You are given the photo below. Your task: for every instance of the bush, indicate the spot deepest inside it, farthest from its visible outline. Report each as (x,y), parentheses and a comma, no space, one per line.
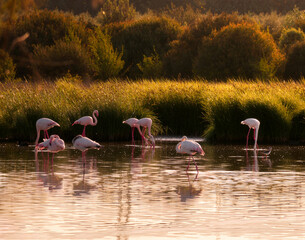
(143,37)
(63,57)
(115,11)
(7,67)
(107,61)
(289,37)
(151,66)
(295,61)
(238,50)
(45,28)
(179,59)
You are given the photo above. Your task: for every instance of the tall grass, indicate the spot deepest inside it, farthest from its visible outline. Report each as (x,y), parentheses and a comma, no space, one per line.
(193,108)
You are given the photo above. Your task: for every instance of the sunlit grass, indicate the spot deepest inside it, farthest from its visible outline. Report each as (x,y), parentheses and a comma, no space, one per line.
(193,108)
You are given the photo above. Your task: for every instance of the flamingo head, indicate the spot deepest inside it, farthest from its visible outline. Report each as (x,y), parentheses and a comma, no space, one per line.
(183,138)
(96,113)
(54,124)
(153,141)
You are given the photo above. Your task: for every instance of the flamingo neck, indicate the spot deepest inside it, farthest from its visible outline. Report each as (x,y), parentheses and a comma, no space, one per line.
(38,136)
(94,118)
(256,136)
(178,148)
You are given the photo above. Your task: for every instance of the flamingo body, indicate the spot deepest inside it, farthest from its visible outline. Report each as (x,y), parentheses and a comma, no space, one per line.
(254,124)
(189,147)
(53,144)
(132,122)
(146,124)
(44,124)
(83,143)
(87,120)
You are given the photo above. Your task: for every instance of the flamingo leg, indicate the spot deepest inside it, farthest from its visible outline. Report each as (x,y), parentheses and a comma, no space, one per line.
(254,137)
(132,136)
(84,132)
(248,138)
(188,164)
(195,165)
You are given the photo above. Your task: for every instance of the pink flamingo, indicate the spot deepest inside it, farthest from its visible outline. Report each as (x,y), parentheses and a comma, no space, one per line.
(53,144)
(252,123)
(132,122)
(146,124)
(87,120)
(84,144)
(189,147)
(44,124)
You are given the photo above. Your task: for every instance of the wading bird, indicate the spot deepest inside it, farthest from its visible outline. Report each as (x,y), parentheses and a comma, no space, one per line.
(83,143)
(44,124)
(132,122)
(146,124)
(189,147)
(53,144)
(252,123)
(87,120)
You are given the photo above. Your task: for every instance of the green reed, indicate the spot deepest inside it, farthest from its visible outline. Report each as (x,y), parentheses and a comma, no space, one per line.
(192,108)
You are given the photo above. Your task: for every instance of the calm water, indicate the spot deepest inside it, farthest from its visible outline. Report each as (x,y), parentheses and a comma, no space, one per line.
(125,192)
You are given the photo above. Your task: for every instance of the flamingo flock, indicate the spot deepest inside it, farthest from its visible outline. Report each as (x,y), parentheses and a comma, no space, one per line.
(186,146)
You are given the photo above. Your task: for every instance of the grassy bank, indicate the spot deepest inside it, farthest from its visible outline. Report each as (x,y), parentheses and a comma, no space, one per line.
(194,108)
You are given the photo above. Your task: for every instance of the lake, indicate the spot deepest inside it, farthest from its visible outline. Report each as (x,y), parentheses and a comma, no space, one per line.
(125,192)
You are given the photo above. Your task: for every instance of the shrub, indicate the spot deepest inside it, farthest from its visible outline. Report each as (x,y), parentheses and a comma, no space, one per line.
(144,37)
(107,61)
(63,57)
(115,11)
(289,37)
(151,66)
(179,59)
(46,27)
(7,67)
(294,67)
(237,50)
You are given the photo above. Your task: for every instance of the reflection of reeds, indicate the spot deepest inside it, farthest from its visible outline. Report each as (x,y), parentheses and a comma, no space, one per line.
(176,107)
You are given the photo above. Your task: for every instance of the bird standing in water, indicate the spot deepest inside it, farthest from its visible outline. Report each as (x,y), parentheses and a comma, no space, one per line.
(146,124)
(87,120)
(44,124)
(189,147)
(252,123)
(132,123)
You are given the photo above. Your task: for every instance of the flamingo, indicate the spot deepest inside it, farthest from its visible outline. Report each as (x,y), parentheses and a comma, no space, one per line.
(44,124)
(87,120)
(132,123)
(252,123)
(189,147)
(53,144)
(84,144)
(145,123)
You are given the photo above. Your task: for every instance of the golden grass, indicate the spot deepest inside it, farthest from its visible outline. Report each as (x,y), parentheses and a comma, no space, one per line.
(193,107)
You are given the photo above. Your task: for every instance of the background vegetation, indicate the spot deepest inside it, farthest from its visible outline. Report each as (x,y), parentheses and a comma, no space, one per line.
(208,65)
(182,40)
(194,108)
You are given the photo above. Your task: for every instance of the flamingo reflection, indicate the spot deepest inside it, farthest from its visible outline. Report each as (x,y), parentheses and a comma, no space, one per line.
(46,175)
(255,164)
(188,192)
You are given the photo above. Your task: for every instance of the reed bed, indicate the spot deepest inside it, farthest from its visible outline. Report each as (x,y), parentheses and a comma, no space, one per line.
(192,108)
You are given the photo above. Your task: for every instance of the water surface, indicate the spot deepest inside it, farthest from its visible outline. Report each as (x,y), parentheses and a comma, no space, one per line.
(125,192)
